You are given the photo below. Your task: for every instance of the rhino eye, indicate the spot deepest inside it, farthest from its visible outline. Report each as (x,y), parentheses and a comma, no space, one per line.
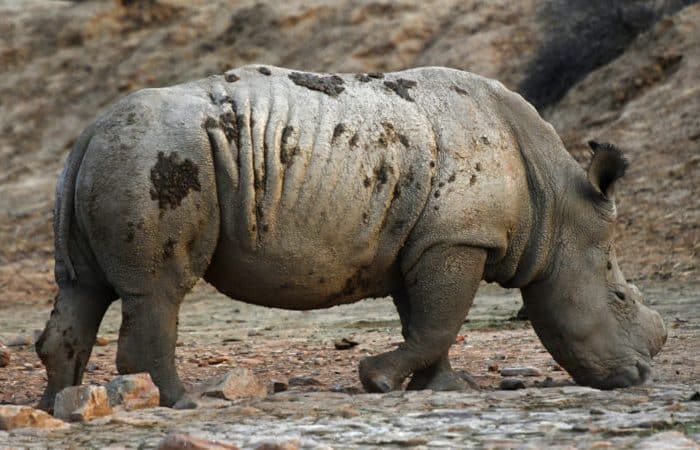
(620,295)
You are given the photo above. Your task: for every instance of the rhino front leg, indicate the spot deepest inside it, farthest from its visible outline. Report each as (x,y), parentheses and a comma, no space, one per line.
(147,339)
(439,290)
(66,343)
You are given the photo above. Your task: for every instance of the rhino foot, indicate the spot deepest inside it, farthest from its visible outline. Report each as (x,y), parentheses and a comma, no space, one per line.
(441,377)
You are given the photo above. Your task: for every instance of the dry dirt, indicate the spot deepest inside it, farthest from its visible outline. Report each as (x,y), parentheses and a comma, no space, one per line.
(61,63)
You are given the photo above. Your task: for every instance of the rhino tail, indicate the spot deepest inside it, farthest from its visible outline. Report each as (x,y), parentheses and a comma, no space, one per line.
(65,196)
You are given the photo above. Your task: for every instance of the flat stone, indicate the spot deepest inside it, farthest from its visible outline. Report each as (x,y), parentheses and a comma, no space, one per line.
(667,440)
(304,381)
(19,341)
(239,382)
(178,441)
(133,391)
(19,416)
(511,384)
(520,372)
(82,403)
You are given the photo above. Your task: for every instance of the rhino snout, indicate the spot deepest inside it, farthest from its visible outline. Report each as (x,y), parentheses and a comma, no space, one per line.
(622,377)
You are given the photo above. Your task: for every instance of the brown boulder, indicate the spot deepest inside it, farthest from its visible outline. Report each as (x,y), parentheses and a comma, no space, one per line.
(133,391)
(235,384)
(82,403)
(18,416)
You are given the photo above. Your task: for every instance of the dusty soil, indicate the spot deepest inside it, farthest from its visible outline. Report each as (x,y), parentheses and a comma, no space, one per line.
(61,63)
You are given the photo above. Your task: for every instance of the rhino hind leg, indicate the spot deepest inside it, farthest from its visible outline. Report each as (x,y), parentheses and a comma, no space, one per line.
(147,339)
(438,292)
(66,343)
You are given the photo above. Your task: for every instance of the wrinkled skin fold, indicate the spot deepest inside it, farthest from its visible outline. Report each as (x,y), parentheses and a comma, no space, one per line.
(300,191)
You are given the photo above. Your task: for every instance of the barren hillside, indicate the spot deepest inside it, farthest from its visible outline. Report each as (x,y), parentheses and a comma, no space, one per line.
(627,74)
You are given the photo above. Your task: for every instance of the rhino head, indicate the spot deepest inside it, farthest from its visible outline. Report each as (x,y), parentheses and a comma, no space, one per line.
(592,321)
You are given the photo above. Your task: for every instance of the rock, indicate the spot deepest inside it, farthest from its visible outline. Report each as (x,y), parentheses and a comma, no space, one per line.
(280,385)
(186,442)
(134,391)
(344,344)
(101,341)
(667,440)
(19,341)
(520,372)
(235,384)
(304,381)
(19,416)
(292,444)
(82,403)
(511,384)
(4,356)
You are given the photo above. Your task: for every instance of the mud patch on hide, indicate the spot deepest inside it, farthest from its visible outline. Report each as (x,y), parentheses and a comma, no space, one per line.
(231,77)
(367,77)
(172,179)
(458,90)
(329,85)
(401,87)
(169,248)
(337,131)
(288,151)
(390,135)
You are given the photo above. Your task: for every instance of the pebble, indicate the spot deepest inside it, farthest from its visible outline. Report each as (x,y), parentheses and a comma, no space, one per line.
(101,341)
(133,391)
(280,385)
(82,403)
(186,442)
(239,382)
(493,367)
(20,416)
(511,384)
(28,366)
(520,372)
(344,344)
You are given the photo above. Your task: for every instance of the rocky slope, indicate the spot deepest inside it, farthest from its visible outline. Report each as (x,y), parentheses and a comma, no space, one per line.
(61,63)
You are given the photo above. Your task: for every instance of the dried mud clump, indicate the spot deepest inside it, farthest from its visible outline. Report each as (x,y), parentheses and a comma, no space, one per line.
(331,85)
(401,87)
(172,180)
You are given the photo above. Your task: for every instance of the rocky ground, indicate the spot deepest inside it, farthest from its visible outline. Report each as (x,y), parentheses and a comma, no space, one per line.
(627,74)
(324,407)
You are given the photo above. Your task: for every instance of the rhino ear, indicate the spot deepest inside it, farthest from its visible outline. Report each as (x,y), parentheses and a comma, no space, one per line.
(607,166)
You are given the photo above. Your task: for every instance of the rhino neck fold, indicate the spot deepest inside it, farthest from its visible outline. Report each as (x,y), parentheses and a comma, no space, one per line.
(551,174)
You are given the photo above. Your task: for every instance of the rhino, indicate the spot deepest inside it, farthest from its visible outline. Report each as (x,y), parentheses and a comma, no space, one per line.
(303,190)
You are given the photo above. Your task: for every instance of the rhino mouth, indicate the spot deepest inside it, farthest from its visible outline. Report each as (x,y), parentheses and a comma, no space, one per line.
(622,377)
